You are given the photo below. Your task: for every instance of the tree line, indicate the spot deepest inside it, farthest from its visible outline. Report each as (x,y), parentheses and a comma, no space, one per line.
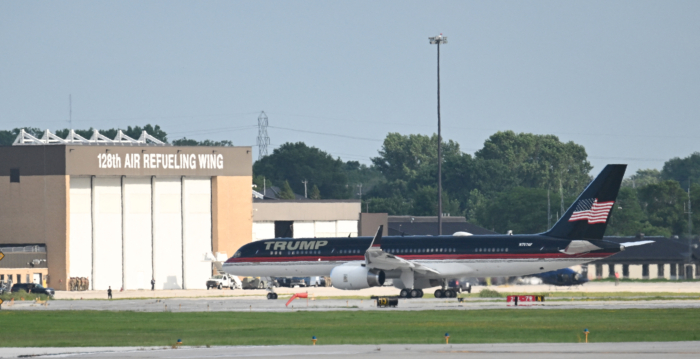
(516,181)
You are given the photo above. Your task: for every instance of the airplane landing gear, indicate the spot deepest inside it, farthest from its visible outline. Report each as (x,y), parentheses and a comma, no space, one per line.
(411,293)
(447,293)
(272,295)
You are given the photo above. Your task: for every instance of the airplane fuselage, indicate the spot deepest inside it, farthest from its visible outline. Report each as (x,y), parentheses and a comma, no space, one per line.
(450,256)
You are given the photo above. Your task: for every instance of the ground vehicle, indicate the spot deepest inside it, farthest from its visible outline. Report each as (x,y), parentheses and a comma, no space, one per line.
(256,282)
(32,288)
(224,281)
(460,285)
(315,281)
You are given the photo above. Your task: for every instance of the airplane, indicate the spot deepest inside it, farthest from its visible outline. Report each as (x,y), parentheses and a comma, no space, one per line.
(415,263)
(564,277)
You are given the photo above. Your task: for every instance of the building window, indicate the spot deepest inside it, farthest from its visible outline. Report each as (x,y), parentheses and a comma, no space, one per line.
(14,175)
(19,278)
(2,277)
(660,270)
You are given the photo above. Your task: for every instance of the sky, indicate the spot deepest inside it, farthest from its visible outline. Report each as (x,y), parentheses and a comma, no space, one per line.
(618,77)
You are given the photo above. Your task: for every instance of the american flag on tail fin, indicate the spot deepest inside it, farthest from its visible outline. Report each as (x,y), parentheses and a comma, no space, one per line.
(591,210)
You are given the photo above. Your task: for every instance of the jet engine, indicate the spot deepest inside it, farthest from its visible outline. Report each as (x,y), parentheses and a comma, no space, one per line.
(356,277)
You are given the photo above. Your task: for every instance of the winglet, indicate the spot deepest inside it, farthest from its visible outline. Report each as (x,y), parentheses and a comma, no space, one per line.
(377,240)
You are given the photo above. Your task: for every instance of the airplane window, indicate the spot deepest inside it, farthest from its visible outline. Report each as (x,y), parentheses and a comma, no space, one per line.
(506,249)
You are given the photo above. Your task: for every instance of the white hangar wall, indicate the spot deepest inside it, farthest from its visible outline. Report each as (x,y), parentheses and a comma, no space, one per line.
(126,230)
(310,218)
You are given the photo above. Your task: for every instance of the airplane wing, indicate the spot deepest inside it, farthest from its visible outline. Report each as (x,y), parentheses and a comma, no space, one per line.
(375,257)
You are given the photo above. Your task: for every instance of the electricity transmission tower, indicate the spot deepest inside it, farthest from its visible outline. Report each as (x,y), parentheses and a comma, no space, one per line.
(263,138)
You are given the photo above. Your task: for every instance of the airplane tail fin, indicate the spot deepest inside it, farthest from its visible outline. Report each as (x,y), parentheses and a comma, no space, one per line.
(588,216)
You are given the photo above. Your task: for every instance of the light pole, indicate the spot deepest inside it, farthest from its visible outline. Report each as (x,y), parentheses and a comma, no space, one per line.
(439,40)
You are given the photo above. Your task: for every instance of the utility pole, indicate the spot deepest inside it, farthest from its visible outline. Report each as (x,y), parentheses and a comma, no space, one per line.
(437,40)
(549,211)
(305,182)
(359,186)
(690,227)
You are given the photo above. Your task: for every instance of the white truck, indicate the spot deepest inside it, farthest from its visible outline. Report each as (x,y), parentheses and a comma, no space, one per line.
(224,281)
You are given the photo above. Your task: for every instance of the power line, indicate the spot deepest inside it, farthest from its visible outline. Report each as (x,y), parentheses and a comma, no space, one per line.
(327,134)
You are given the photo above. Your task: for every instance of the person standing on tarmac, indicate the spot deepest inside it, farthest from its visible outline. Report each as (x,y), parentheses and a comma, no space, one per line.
(153,284)
(109,293)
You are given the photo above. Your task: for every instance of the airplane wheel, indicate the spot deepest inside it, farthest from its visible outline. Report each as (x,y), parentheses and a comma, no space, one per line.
(421,293)
(415,293)
(404,293)
(439,293)
(270,296)
(450,293)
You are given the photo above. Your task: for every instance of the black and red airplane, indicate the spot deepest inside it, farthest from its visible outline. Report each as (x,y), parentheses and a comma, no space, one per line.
(418,262)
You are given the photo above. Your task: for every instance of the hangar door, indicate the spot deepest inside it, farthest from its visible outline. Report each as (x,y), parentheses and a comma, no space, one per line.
(138,254)
(167,233)
(80,248)
(107,238)
(196,241)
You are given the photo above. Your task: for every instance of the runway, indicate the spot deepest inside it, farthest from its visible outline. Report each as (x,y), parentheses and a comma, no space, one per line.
(633,350)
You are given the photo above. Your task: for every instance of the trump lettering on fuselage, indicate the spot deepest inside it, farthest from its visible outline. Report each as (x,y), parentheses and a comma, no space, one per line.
(293,245)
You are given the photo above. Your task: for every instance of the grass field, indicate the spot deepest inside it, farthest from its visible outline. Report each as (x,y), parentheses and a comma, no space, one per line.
(105,328)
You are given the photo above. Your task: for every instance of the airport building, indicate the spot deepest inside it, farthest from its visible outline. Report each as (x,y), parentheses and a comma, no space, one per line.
(121,211)
(300,218)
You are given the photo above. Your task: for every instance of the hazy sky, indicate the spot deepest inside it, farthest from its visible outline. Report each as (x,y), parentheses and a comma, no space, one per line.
(621,78)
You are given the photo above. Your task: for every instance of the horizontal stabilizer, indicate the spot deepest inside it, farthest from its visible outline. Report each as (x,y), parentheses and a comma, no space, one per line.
(632,244)
(578,247)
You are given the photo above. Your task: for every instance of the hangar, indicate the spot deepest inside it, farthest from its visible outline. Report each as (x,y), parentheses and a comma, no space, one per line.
(122,211)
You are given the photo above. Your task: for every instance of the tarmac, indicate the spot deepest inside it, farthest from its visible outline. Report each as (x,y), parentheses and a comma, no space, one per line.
(591,287)
(633,350)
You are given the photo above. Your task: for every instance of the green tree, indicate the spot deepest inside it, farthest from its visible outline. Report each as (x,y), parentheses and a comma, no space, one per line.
(297,161)
(315,193)
(286,192)
(683,169)
(425,202)
(663,204)
(522,210)
(539,161)
(394,205)
(642,178)
(628,217)
(261,183)
(403,156)
(8,137)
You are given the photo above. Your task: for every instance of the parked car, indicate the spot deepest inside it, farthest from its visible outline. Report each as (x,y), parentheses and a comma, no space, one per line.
(256,282)
(315,281)
(32,288)
(462,285)
(292,282)
(224,281)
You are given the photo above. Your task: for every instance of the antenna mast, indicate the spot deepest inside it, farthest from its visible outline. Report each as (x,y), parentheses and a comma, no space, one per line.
(263,138)
(70,111)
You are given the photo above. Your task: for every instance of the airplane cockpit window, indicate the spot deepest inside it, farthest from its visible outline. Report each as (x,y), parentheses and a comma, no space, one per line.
(238,254)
